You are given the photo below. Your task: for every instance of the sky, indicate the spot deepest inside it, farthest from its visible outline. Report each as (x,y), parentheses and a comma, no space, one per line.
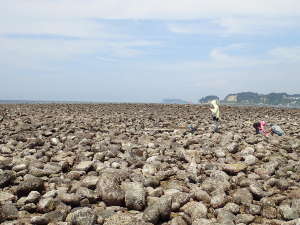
(146,51)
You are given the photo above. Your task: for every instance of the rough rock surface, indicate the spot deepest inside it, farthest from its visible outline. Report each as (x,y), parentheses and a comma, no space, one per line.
(111,164)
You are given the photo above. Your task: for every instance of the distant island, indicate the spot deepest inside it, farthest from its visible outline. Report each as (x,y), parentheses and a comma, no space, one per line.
(208,99)
(174,101)
(252,98)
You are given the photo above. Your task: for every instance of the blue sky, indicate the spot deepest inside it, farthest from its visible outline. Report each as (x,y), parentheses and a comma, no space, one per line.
(145,51)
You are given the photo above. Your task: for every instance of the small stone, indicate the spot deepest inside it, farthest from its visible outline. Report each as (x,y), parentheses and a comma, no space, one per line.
(135,196)
(5,162)
(250,160)
(30,184)
(257,190)
(84,166)
(178,220)
(6,178)
(46,205)
(234,168)
(200,195)
(225,217)
(19,167)
(54,141)
(8,211)
(244,218)
(288,213)
(5,196)
(269,212)
(39,220)
(116,165)
(6,150)
(70,199)
(232,207)
(233,147)
(195,209)
(82,216)
(242,196)
(149,170)
(220,153)
(50,194)
(160,209)
(218,198)
(202,221)
(90,181)
(109,189)
(33,197)
(253,209)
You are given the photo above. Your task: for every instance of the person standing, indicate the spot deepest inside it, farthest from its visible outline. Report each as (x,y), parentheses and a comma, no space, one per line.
(215,115)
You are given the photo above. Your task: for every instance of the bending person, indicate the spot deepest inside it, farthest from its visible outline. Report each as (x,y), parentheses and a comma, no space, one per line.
(260,128)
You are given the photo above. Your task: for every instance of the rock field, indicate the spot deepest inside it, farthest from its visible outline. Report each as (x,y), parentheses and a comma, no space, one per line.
(133,164)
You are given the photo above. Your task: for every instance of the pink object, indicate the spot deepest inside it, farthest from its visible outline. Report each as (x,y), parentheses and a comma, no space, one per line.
(262,128)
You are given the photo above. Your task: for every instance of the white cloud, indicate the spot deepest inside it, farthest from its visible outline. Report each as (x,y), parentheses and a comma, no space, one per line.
(194,28)
(226,26)
(144,9)
(221,59)
(287,54)
(255,25)
(73,17)
(33,53)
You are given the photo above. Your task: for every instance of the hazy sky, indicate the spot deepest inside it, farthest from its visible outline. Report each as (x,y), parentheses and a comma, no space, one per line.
(147,50)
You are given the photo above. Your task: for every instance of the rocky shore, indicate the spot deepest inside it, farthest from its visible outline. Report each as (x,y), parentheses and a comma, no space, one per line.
(133,164)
